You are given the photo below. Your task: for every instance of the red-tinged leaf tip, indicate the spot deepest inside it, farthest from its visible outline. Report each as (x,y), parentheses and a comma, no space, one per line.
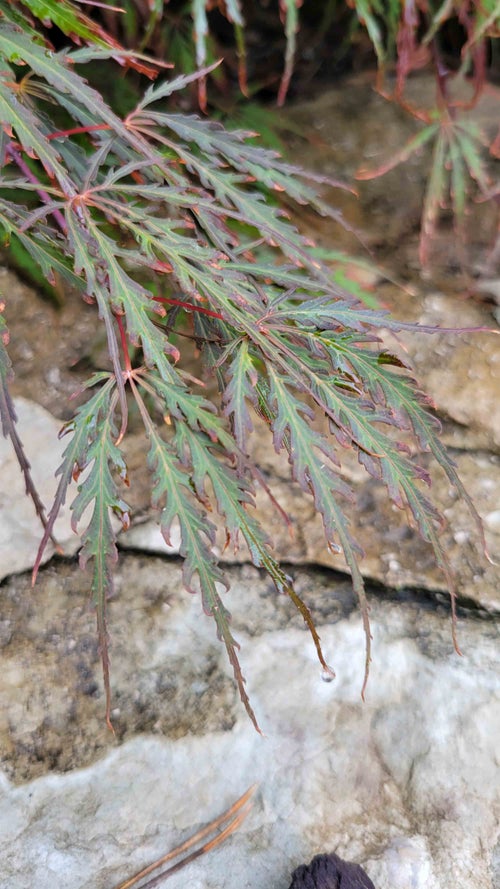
(242,81)
(363,175)
(334,548)
(163,268)
(202,94)
(121,434)
(489,557)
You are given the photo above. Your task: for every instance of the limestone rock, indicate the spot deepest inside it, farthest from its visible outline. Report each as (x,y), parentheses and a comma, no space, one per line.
(20,528)
(404,784)
(459,371)
(394,553)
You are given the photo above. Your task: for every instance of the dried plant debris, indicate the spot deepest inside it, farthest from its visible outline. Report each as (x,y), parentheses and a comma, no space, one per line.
(202,841)
(330,872)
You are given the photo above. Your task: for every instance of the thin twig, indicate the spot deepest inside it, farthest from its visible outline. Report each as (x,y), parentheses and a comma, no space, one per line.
(23,166)
(235,815)
(8,420)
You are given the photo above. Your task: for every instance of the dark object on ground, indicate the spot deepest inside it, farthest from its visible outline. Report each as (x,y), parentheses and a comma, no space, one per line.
(330,872)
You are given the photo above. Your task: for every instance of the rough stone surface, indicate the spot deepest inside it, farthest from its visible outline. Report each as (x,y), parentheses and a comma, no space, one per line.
(353,127)
(51,705)
(394,553)
(460,372)
(405,784)
(53,348)
(20,528)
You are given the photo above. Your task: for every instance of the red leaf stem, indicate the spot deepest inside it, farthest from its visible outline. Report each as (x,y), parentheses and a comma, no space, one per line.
(72,132)
(184,305)
(123,339)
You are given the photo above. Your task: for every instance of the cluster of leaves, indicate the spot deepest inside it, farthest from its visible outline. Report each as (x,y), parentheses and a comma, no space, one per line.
(100,201)
(409,34)
(185,34)
(458,166)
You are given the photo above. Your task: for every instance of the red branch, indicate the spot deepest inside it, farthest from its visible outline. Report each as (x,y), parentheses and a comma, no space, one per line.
(184,305)
(75,130)
(123,338)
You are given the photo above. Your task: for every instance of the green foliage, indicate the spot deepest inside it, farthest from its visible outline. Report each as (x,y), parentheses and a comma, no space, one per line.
(108,198)
(458,168)
(381,18)
(457,165)
(411,35)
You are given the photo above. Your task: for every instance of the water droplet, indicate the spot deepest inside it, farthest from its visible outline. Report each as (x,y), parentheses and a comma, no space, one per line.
(327,675)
